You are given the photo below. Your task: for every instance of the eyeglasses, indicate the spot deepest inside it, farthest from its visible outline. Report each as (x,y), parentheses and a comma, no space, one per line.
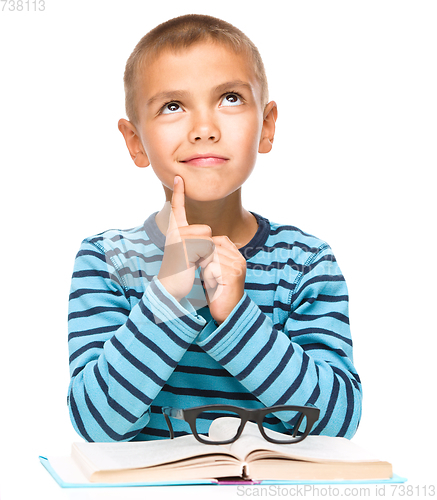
(201,417)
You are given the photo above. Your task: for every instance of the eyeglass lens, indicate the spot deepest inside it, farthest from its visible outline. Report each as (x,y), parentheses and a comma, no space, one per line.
(205,419)
(290,425)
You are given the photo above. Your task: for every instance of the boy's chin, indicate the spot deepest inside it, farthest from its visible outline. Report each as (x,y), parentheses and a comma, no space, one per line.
(205,198)
(209,193)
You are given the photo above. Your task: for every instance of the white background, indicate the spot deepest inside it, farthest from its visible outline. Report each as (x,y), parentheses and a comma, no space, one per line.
(353,163)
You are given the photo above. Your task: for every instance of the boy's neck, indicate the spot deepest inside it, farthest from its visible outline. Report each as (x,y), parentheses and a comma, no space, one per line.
(225,217)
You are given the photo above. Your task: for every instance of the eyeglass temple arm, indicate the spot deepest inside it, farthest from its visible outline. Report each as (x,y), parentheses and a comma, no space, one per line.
(315,411)
(172,412)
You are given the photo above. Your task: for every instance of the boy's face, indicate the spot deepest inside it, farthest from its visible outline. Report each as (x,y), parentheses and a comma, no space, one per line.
(200,116)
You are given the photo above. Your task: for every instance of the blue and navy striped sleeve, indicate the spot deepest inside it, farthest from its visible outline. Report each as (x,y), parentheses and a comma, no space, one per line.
(120,356)
(306,360)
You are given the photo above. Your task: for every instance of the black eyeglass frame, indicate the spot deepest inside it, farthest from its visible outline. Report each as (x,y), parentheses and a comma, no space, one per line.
(255,415)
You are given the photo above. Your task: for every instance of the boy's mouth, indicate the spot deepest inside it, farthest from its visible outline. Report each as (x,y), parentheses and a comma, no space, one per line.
(205,160)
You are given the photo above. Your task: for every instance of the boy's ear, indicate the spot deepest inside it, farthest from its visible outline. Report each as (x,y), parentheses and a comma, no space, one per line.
(268,130)
(133,143)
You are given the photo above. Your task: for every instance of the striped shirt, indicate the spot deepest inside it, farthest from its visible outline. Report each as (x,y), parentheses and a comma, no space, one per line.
(134,348)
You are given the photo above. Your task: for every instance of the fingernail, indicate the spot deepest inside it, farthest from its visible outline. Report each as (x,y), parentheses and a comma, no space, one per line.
(176,180)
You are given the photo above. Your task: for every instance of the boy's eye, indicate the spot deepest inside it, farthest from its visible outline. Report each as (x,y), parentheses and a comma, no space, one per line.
(231,100)
(171,108)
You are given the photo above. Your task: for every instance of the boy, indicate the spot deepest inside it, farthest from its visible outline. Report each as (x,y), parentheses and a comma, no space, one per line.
(205,303)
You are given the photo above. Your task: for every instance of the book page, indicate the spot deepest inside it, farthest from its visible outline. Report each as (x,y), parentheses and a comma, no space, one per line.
(312,448)
(141,454)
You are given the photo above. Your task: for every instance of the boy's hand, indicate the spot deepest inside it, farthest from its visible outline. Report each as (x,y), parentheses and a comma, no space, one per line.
(224,278)
(186,247)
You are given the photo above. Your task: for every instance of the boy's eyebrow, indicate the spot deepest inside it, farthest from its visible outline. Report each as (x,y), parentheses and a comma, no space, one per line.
(179,94)
(167,95)
(233,84)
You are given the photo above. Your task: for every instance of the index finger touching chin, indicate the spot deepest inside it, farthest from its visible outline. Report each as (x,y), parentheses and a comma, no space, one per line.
(178,203)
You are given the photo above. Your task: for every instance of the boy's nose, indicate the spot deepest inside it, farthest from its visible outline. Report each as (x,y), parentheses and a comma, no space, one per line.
(204,128)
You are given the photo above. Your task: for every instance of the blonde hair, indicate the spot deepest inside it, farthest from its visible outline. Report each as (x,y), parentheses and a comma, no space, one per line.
(180,33)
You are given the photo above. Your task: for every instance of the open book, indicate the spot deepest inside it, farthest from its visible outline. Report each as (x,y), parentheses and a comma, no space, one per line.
(250,457)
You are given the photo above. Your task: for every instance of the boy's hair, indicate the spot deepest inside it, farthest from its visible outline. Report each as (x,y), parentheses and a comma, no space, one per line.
(180,33)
